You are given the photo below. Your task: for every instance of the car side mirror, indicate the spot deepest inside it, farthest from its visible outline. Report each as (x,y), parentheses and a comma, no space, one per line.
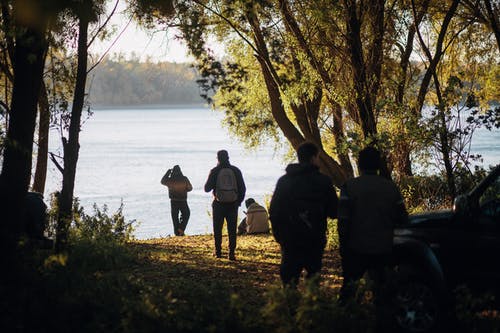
(461,206)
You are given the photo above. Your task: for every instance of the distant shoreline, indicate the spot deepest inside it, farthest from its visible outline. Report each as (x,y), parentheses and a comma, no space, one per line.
(149,106)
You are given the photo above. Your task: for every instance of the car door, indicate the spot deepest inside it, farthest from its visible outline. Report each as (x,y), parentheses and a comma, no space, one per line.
(470,248)
(487,225)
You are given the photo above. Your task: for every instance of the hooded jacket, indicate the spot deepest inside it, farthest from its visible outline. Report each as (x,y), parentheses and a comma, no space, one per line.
(302,191)
(257,219)
(178,186)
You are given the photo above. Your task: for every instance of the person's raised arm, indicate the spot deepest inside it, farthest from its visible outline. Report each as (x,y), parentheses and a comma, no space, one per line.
(165,177)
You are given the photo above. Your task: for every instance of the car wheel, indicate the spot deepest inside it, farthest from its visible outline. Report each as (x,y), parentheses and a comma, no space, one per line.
(415,303)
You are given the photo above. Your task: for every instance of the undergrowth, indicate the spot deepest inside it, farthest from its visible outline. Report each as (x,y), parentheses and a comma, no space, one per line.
(109,282)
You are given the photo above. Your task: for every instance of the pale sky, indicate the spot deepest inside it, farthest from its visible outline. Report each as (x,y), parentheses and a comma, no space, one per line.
(160,45)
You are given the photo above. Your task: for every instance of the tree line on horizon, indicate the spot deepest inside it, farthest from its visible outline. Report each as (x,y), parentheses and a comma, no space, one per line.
(119,81)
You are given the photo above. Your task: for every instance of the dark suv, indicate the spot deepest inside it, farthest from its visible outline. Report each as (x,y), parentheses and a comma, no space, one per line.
(438,251)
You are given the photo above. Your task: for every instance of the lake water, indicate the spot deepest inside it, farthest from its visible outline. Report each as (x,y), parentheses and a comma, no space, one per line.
(124,153)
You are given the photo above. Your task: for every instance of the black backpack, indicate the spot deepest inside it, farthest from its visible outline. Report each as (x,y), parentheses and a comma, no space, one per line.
(226,187)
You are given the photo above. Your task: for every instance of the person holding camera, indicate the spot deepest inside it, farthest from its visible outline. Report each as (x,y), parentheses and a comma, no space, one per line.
(178,187)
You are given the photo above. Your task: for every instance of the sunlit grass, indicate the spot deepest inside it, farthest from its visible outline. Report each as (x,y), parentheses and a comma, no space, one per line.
(186,261)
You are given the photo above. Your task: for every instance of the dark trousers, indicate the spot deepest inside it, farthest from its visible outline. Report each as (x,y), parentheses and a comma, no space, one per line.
(180,215)
(355,265)
(229,212)
(295,258)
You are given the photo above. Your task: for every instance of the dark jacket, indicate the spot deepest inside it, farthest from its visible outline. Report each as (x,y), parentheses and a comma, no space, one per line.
(369,208)
(178,186)
(212,180)
(302,188)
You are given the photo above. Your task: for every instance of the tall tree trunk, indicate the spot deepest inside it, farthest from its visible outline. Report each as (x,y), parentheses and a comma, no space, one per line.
(366,74)
(43,142)
(444,142)
(340,139)
(293,27)
(28,63)
(71,146)
(359,70)
(328,165)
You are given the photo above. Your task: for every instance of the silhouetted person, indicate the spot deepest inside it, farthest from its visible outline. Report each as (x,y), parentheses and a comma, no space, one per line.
(369,207)
(178,187)
(228,187)
(301,202)
(256,221)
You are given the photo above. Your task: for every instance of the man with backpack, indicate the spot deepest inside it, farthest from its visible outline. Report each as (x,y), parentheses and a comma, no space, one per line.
(301,202)
(228,188)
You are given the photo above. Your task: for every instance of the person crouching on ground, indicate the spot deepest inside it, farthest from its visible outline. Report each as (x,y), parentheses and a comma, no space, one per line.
(256,221)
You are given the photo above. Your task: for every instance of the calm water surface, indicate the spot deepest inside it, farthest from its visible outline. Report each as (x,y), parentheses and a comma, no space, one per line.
(124,154)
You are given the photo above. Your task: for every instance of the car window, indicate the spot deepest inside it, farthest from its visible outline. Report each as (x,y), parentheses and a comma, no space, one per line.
(489,203)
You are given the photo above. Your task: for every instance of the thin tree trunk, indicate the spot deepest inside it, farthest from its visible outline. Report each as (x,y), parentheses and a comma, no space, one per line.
(43,142)
(433,60)
(492,13)
(72,145)
(444,141)
(401,153)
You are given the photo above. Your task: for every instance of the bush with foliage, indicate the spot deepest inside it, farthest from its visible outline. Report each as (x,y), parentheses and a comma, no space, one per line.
(424,193)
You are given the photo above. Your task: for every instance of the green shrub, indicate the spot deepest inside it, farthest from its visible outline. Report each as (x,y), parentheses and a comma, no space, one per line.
(424,193)
(100,226)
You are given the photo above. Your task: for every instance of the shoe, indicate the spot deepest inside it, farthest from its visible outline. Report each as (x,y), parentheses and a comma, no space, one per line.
(217,255)
(232,257)
(180,232)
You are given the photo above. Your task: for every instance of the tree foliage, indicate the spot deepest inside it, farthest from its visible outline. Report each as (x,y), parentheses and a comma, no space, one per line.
(347,73)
